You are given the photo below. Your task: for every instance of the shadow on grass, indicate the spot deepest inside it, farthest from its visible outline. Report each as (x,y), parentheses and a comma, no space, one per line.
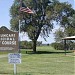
(6,73)
(47,52)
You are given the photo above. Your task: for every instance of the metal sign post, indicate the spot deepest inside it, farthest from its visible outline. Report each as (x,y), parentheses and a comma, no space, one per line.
(19,36)
(15,69)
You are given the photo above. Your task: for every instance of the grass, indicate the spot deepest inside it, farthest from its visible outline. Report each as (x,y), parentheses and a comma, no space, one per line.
(47,61)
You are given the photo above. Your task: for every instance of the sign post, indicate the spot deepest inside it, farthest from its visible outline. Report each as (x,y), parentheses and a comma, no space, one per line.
(9,42)
(15,69)
(14,58)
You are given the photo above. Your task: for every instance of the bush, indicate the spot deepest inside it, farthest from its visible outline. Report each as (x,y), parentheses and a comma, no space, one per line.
(25,45)
(29,44)
(58,46)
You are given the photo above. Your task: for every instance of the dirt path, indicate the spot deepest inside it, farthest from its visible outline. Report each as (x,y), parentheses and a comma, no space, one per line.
(2,56)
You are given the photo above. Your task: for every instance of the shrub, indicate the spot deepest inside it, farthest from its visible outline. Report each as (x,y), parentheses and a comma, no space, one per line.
(25,45)
(58,46)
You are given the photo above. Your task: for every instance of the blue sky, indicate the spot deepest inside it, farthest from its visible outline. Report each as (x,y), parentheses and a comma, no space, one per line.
(4,12)
(5,17)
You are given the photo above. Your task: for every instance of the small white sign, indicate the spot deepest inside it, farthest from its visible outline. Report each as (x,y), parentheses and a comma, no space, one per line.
(14,58)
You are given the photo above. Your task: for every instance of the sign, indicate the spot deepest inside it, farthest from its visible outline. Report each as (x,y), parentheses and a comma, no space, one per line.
(8,40)
(14,58)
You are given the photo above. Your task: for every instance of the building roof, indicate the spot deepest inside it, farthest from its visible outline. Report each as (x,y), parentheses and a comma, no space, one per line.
(69,38)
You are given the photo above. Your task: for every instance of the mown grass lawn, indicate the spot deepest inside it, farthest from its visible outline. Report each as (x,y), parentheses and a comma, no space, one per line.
(46,61)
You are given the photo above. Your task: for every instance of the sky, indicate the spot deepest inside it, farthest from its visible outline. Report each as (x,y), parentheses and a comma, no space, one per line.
(5,19)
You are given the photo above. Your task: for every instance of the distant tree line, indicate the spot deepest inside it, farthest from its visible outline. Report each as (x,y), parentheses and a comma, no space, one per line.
(70,45)
(28,44)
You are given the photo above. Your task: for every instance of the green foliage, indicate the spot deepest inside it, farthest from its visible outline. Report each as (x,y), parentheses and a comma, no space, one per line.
(39,43)
(59,34)
(41,22)
(25,45)
(72,21)
(28,44)
(70,31)
(69,12)
(45,12)
(70,45)
(58,46)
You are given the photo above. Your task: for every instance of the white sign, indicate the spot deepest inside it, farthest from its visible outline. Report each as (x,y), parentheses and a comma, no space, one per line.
(14,58)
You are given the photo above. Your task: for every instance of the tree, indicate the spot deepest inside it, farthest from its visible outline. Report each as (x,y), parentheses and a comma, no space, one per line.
(59,34)
(64,32)
(25,45)
(41,22)
(72,21)
(68,18)
(69,31)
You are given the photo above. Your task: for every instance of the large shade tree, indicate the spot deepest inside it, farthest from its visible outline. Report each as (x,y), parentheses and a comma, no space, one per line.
(42,21)
(68,30)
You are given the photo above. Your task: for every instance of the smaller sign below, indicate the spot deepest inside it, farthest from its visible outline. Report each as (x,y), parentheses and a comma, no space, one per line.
(14,58)
(13,61)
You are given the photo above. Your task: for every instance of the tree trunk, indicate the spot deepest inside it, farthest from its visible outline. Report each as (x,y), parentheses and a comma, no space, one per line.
(34,46)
